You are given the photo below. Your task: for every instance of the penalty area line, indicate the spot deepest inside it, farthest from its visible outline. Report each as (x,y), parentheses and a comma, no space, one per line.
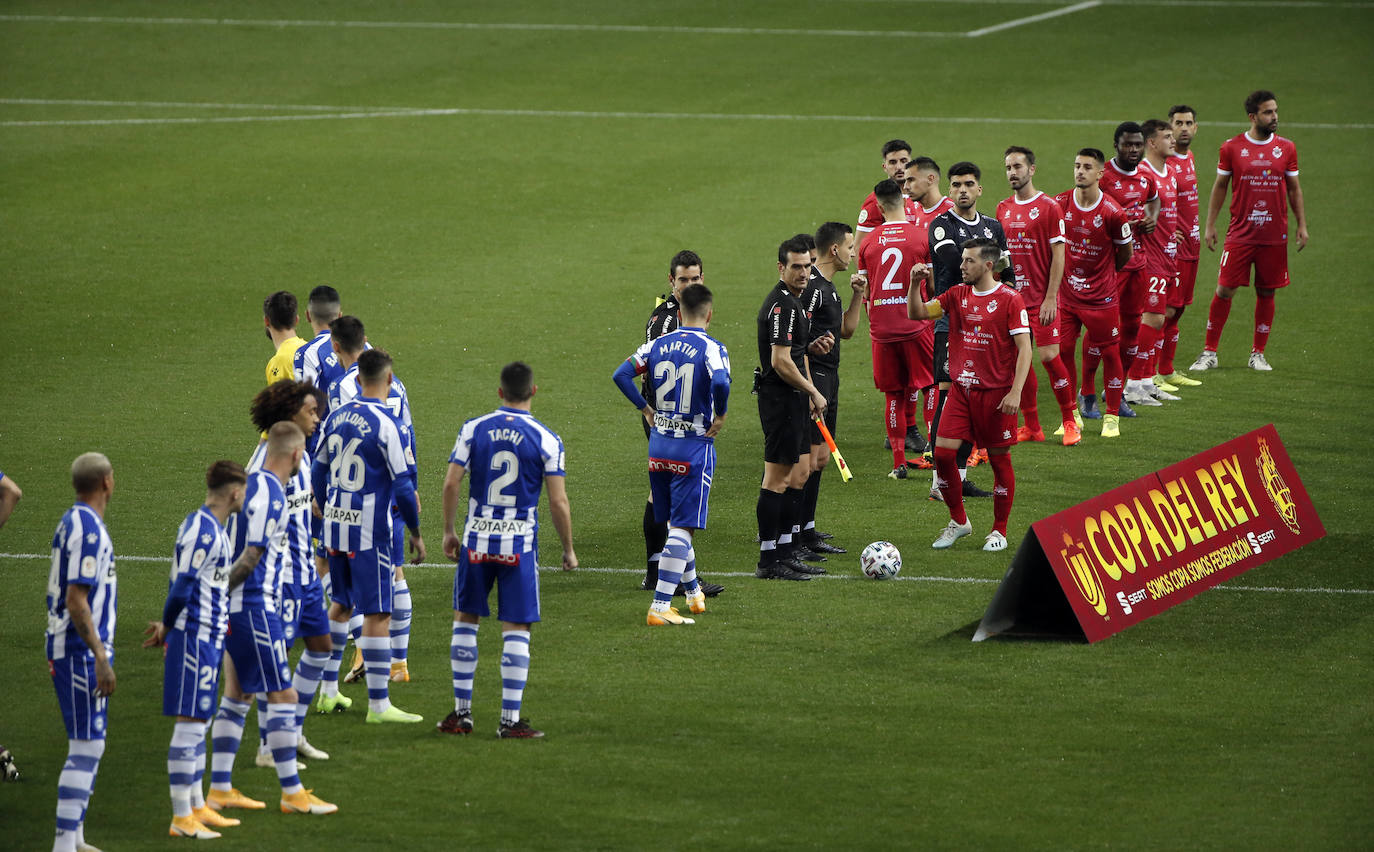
(744,574)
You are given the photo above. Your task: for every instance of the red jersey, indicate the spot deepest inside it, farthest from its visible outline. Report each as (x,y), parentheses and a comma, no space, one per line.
(919,216)
(886,258)
(1259,196)
(1031,228)
(871,215)
(1160,246)
(1186,175)
(1090,251)
(1131,190)
(982,353)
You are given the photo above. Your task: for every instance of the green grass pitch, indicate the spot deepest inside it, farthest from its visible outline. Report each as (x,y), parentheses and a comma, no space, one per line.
(159,179)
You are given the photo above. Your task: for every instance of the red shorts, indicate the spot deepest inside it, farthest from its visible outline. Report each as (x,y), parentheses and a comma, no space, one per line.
(1182,295)
(902,365)
(974,416)
(1045,335)
(1158,293)
(1103,324)
(1131,291)
(1270,262)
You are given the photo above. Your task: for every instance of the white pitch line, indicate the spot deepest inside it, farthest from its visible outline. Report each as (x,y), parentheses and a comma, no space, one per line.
(741,574)
(183,105)
(1032,19)
(465,25)
(347,113)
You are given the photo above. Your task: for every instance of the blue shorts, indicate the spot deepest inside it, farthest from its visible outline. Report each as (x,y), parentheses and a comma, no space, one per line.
(303,610)
(680,472)
(83,712)
(256,646)
(362,581)
(517,585)
(190,675)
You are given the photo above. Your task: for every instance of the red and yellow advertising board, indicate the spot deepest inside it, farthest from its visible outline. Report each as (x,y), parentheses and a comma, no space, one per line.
(1151,544)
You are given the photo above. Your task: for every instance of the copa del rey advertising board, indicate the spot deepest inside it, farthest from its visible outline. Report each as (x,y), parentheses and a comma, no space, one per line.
(1151,544)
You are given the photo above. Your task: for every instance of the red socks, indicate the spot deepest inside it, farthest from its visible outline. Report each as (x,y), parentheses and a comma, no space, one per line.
(932,402)
(1003,490)
(1113,379)
(896,426)
(1169,337)
(1264,318)
(951,487)
(1143,367)
(1216,321)
(1062,385)
(1092,356)
(1028,404)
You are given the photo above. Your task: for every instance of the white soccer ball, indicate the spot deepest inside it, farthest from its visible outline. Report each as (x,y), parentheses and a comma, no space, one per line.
(881,560)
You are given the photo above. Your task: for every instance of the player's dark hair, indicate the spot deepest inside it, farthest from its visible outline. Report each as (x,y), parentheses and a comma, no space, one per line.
(793,246)
(372,365)
(924,164)
(517,379)
(695,300)
(896,145)
(280,310)
(987,249)
(1257,97)
(1122,129)
(1178,108)
(806,240)
(1025,152)
(323,303)
(889,193)
(1094,153)
(831,234)
(348,334)
(225,472)
(282,401)
(964,167)
(1150,128)
(684,258)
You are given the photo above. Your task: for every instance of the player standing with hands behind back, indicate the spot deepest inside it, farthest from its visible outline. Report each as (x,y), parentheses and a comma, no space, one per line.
(511,456)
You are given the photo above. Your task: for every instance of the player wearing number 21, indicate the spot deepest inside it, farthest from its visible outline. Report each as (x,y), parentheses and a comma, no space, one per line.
(510,457)
(690,375)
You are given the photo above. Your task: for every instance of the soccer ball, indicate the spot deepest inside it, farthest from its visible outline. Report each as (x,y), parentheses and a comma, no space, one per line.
(880,560)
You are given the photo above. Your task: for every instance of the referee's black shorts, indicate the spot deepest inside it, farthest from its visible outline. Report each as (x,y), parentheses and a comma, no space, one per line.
(783,414)
(942,357)
(827,381)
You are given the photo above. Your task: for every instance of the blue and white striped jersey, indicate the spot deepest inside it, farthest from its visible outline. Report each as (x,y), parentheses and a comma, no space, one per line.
(689,372)
(82,555)
(300,564)
(507,454)
(316,363)
(364,461)
(261,523)
(348,388)
(202,554)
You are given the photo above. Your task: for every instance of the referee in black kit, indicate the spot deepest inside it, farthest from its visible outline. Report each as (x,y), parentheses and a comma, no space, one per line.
(684,270)
(787,401)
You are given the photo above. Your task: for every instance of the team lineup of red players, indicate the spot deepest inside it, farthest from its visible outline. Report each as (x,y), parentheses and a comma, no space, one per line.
(1113,260)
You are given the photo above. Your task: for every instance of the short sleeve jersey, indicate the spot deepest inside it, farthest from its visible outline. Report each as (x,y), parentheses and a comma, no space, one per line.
(684,368)
(507,454)
(82,555)
(281,365)
(261,523)
(782,322)
(1185,175)
(871,215)
(982,353)
(203,551)
(1093,233)
(1032,228)
(948,232)
(824,312)
(921,218)
(349,388)
(1160,245)
(300,561)
(663,320)
(1131,190)
(1259,191)
(886,258)
(366,451)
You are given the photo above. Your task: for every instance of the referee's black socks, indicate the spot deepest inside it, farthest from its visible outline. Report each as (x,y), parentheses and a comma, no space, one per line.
(769,511)
(811,493)
(793,501)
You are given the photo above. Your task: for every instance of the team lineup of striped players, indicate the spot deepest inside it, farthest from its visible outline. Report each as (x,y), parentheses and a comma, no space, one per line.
(308,539)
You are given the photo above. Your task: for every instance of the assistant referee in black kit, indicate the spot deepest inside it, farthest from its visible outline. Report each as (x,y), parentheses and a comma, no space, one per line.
(787,401)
